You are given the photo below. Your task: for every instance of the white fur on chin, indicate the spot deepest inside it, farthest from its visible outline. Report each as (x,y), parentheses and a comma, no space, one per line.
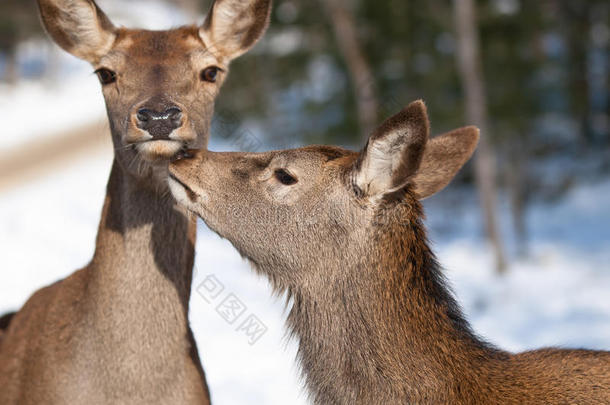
(155,150)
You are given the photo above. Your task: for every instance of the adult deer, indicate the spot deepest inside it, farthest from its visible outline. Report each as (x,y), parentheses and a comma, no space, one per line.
(117,332)
(374,319)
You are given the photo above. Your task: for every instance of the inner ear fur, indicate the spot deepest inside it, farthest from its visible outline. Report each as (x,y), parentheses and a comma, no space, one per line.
(232,27)
(80,27)
(394,152)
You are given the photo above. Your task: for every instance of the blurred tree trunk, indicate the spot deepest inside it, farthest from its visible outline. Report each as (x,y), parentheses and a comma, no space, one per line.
(469,62)
(11,70)
(192,7)
(363,84)
(52,76)
(578,25)
(517,184)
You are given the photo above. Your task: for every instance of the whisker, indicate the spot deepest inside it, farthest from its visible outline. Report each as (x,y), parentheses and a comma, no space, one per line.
(131,145)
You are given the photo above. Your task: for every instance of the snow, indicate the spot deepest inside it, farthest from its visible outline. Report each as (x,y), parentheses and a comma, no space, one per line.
(78,102)
(559,297)
(556,297)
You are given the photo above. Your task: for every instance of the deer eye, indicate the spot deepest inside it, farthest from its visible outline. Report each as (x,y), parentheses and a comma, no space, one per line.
(209,74)
(106,76)
(284,177)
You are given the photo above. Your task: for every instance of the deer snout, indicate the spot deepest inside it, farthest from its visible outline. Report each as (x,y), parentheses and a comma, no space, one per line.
(159,124)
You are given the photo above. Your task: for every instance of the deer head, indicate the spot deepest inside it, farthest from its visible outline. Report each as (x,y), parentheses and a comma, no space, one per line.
(296,212)
(159,86)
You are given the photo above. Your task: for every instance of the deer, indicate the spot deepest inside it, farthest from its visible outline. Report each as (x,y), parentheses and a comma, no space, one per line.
(117,330)
(341,234)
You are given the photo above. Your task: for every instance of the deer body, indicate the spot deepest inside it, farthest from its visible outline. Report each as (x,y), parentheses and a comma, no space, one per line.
(393,334)
(117,330)
(374,319)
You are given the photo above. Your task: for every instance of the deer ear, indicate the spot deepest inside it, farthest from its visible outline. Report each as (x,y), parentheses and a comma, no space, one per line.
(78,26)
(443,158)
(394,152)
(233,26)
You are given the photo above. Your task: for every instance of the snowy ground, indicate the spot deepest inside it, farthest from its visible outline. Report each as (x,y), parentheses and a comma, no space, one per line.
(558,297)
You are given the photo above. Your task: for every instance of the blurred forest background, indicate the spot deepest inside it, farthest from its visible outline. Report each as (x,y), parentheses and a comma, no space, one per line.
(533,75)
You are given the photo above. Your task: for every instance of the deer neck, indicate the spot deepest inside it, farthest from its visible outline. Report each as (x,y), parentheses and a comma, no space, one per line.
(140,276)
(384,328)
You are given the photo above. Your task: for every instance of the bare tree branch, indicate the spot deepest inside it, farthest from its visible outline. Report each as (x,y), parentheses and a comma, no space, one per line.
(469,62)
(344,26)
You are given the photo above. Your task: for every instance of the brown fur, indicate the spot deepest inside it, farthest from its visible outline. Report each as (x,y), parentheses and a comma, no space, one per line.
(116,331)
(5,320)
(375,321)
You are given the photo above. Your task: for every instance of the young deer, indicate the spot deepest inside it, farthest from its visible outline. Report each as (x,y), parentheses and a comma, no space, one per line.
(117,332)
(342,234)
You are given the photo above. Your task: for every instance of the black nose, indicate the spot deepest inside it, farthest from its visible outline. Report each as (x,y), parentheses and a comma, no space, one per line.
(159,124)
